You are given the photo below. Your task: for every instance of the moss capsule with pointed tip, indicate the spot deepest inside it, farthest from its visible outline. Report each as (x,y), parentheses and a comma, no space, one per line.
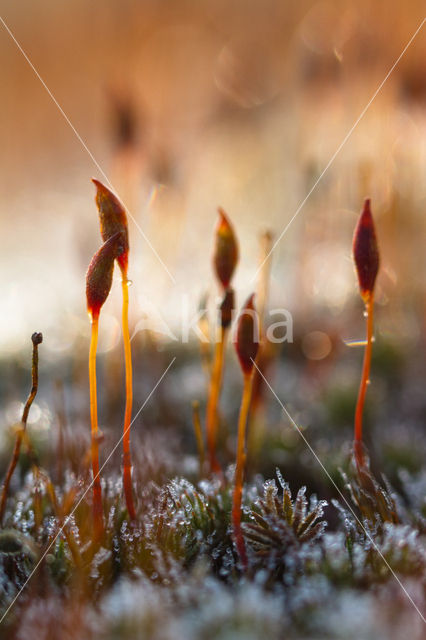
(247,342)
(112,219)
(99,273)
(366,251)
(225,255)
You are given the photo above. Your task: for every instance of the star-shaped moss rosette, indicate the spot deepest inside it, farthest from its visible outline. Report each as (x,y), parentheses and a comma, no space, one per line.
(113,219)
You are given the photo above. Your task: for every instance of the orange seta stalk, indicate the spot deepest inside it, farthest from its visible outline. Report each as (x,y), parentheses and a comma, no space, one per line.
(239,469)
(358,446)
(247,346)
(98,286)
(226,309)
(213,401)
(198,433)
(127,462)
(98,525)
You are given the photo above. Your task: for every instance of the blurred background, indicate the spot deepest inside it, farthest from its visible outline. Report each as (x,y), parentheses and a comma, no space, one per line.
(190,105)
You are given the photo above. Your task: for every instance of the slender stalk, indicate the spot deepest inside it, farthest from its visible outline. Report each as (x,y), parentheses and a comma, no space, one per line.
(98,525)
(198,433)
(37,474)
(358,447)
(36,340)
(205,350)
(37,503)
(127,462)
(9,474)
(213,400)
(256,426)
(263,285)
(239,469)
(60,414)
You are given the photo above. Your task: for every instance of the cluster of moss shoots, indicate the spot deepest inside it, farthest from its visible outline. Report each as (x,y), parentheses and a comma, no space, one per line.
(274,526)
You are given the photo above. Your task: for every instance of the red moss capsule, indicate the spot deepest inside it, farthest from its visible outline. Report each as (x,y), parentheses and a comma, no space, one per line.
(247,343)
(99,273)
(225,256)
(113,219)
(366,252)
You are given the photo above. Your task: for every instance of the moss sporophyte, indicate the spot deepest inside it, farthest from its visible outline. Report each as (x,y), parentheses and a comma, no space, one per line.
(225,259)
(113,219)
(366,259)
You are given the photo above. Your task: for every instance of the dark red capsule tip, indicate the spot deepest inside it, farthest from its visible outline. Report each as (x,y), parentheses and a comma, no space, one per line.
(366,251)
(112,219)
(247,343)
(225,256)
(99,273)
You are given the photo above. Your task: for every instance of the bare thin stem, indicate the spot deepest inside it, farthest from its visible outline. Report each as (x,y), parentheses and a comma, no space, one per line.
(98,525)
(37,496)
(213,401)
(36,340)
(127,461)
(239,470)
(358,447)
(9,474)
(60,414)
(198,433)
